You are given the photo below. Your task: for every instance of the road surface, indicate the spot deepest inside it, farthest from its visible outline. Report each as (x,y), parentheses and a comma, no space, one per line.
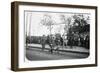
(34,54)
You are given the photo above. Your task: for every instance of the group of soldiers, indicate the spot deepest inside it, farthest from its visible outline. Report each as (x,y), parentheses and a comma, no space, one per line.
(55,42)
(82,41)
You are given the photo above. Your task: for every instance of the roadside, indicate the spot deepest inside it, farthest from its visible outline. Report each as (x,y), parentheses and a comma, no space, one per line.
(74,49)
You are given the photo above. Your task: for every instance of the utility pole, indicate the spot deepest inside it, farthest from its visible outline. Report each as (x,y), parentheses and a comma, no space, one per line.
(30,19)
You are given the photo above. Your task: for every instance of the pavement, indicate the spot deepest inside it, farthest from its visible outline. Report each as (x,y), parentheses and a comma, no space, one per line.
(74,49)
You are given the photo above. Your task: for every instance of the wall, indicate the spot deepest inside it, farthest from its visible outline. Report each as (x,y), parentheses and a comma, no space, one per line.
(5,40)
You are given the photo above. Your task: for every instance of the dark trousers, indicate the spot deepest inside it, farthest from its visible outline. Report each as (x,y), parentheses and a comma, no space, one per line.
(43,46)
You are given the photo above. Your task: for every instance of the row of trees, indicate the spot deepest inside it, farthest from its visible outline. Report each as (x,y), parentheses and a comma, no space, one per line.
(78,20)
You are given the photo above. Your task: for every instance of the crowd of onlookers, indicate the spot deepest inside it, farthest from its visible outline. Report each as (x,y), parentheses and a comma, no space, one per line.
(82,41)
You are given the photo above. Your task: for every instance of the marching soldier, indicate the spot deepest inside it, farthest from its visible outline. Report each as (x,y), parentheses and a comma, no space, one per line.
(43,41)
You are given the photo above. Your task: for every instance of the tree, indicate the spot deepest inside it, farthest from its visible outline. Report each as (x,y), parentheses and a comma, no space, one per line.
(63,19)
(48,21)
(81,24)
(66,21)
(80,19)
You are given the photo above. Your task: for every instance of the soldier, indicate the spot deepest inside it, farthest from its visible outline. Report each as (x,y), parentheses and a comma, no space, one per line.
(58,41)
(43,41)
(51,43)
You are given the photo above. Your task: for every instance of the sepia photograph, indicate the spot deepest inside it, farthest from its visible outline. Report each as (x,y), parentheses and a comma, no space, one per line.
(57,35)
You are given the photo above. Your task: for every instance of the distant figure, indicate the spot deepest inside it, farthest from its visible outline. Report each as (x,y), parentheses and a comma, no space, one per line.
(65,41)
(58,41)
(79,41)
(61,41)
(43,42)
(51,43)
(76,41)
(70,41)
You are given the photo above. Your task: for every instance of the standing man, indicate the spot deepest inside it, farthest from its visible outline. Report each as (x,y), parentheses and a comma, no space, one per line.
(43,42)
(51,43)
